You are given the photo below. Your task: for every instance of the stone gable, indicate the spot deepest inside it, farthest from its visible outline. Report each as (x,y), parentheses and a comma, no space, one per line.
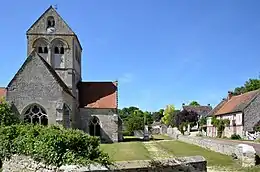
(34,83)
(39,27)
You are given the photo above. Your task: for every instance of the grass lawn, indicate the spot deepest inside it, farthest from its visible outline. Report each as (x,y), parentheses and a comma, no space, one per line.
(161,137)
(183,149)
(136,150)
(126,151)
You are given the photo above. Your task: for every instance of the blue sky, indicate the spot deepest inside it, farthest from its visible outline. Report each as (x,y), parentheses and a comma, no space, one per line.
(162,52)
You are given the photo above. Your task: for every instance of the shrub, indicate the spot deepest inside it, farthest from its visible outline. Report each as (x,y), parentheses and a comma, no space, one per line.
(235,137)
(52,145)
(7,116)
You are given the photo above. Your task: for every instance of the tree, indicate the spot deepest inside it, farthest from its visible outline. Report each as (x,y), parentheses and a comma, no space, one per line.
(184,117)
(250,85)
(172,118)
(168,114)
(157,116)
(194,103)
(220,124)
(203,121)
(135,119)
(7,116)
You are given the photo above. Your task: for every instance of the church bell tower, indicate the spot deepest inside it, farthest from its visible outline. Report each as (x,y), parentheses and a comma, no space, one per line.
(54,40)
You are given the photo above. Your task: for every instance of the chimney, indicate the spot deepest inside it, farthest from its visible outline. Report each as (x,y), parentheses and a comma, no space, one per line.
(230,94)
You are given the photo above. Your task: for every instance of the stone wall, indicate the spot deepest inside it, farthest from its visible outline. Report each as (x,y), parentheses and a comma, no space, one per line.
(188,164)
(245,153)
(109,123)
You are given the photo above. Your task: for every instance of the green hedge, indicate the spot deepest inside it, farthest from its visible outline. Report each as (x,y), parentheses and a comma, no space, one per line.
(52,145)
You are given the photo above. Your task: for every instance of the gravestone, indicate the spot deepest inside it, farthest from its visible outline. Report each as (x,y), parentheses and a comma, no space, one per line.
(146,132)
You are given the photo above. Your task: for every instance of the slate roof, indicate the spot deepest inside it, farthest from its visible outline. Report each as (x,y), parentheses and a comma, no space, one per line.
(51,70)
(200,110)
(98,95)
(235,104)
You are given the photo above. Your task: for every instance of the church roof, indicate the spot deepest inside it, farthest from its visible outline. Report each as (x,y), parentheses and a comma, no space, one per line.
(98,95)
(51,70)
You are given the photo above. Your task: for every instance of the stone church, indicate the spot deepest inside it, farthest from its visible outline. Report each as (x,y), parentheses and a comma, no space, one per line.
(48,88)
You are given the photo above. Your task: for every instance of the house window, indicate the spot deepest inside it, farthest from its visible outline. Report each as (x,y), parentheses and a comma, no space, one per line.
(36,115)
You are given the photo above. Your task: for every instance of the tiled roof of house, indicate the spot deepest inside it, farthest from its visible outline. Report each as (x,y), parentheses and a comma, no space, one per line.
(237,103)
(2,92)
(200,110)
(98,95)
(213,111)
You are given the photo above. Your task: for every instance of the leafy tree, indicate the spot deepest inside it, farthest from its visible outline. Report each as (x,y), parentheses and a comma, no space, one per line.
(185,117)
(203,121)
(194,103)
(135,122)
(168,114)
(7,116)
(135,119)
(157,116)
(220,124)
(250,85)
(172,118)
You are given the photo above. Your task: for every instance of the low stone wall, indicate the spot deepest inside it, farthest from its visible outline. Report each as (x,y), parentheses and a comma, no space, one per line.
(244,152)
(189,164)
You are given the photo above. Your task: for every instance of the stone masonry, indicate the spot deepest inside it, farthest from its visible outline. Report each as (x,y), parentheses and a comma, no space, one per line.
(245,153)
(48,83)
(189,164)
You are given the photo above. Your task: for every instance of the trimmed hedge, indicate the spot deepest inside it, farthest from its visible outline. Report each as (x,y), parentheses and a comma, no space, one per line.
(52,145)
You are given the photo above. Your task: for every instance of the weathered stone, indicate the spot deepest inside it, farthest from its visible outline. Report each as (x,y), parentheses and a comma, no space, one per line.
(189,164)
(244,152)
(50,79)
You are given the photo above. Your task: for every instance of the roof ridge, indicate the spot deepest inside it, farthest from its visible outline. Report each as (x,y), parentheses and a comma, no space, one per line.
(55,75)
(246,93)
(29,57)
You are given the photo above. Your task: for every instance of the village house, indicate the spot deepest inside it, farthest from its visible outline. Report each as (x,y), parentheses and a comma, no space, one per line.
(243,112)
(48,88)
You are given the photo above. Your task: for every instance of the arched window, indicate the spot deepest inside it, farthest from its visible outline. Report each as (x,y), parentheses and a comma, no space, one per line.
(61,50)
(45,50)
(50,22)
(94,127)
(40,50)
(36,115)
(56,50)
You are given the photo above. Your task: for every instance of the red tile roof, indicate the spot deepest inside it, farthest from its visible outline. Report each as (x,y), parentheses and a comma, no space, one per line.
(237,103)
(2,92)
(98,95)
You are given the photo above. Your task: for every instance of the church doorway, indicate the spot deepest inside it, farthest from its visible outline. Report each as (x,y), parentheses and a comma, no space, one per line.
(94,127)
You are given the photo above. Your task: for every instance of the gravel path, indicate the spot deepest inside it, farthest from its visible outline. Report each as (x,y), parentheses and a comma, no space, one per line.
(155,151)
